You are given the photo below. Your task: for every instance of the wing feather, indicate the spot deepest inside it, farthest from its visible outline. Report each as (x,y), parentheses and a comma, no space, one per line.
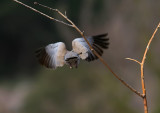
(52,56)
(98,42)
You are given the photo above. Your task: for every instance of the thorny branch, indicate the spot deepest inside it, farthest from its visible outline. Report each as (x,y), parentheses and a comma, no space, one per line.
(71,24)
(82,34)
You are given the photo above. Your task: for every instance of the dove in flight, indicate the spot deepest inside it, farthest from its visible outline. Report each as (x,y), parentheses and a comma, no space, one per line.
(56,55)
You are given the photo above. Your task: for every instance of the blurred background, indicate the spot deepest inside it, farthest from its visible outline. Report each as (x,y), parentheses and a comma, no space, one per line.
(28,87)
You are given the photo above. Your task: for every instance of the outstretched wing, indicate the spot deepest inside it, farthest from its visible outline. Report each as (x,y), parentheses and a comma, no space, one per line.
(98,42)
(52,55)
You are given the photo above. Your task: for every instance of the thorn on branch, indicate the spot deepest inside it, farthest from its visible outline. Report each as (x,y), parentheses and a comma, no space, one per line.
(147,47)
(159,25)
(143,95)
(35,3)
(65,13)
(83,32)
(55,10)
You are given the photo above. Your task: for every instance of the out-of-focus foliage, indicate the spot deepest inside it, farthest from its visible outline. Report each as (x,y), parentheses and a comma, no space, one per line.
(77,91)
(27,87)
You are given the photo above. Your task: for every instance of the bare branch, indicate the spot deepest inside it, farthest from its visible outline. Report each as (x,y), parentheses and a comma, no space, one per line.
(43,13)
(59,12)
(142,71)
(133,60)
(147,48)
(82,34)
(101,59)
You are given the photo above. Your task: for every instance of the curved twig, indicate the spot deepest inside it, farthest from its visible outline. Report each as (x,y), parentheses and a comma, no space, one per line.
(133,60)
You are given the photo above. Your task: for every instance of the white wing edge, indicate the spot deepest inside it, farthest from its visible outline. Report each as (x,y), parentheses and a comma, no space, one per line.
(52,56)
(79,48)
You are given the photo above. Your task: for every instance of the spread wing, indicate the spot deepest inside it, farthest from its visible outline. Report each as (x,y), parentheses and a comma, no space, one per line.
(98,42)
(52,55)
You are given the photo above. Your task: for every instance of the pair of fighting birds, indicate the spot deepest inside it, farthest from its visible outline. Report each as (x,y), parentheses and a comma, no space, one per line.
(56,55)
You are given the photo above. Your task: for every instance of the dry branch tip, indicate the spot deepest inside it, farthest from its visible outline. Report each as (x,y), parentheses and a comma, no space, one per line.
(133,60)
(142,70)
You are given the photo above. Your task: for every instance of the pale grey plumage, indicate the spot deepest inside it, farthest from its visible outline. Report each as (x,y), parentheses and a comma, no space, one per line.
(52,55)
(56,55)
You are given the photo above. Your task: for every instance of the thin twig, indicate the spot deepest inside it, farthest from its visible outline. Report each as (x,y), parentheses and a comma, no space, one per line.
(142,71)
(147,48)
(59,12)
(82,34)
(133,60)
(42,13)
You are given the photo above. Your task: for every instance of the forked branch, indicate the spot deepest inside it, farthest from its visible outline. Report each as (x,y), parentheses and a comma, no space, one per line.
(71,24)
(82,34)
(142,71)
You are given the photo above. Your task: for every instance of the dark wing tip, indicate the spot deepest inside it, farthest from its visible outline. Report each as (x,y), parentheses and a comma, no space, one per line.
(100,42)
(43,57)
(91,57)
(100,35)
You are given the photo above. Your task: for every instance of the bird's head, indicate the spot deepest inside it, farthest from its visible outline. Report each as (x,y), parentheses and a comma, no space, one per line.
(72,59)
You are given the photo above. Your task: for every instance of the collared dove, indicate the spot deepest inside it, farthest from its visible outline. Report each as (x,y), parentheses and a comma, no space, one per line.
(56,55)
